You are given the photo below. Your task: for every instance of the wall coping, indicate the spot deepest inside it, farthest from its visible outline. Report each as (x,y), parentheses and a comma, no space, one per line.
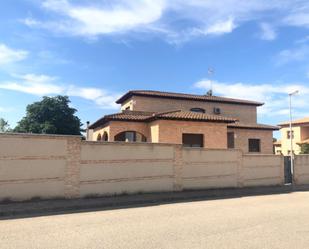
(128,144)
(13,134)
(259,155)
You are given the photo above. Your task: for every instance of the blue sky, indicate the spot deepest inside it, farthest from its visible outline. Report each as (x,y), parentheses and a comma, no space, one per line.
(94,51)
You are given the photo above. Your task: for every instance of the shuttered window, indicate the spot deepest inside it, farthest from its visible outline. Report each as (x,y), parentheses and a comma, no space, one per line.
(192,140)
(254,145)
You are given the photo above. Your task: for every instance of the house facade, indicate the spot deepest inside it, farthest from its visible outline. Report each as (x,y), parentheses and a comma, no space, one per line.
(192,120)
(300,133)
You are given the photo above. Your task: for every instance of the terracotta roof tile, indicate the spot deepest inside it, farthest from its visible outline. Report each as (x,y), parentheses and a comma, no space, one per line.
(123,116)
(186,96)
(137,116)
(306,141)
(296,122)
(150,116)
(252,126)
(185,115)
(129,115)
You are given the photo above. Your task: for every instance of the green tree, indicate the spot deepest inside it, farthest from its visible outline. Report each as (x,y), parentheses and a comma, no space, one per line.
(52,115)
(4,125)
(304,149)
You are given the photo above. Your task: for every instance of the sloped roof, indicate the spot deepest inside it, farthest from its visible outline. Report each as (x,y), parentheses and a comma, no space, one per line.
(306,141)
(301,121)
(138,116)
(183,96)
(130,115)
(240,125)
(186,115)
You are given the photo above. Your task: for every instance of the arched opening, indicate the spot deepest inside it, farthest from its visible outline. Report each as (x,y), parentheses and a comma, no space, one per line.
(197,109)
(99,137)
(130,136)
(105,136)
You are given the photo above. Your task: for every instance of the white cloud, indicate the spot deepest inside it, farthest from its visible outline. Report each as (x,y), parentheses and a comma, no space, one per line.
(165,17)
(299,18)
(300,53)
(30,22)
(9,55)
(93,20)
(101,97)
(219,28)
(33,84)
(268,32)
(172,20)
(275,97)
(46,85)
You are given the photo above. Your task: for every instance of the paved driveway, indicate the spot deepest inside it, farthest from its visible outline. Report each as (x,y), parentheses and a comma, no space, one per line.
(273,221)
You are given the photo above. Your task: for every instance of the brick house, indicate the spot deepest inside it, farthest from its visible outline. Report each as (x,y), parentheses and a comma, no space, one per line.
(191,120)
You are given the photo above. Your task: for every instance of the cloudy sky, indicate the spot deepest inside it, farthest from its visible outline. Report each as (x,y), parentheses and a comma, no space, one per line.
(94,51)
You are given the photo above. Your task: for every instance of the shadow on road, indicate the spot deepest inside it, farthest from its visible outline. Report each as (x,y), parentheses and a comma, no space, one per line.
(36,208)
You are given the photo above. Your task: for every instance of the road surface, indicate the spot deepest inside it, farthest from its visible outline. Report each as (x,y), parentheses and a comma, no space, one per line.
(269,221)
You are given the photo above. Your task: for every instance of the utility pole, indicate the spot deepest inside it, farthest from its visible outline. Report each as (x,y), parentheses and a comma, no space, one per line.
(291,131)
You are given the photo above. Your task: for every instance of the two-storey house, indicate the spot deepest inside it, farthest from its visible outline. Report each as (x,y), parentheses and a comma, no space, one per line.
(300,135)
(192,120)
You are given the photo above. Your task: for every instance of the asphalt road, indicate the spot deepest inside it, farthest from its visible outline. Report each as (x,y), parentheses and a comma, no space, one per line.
(272,221)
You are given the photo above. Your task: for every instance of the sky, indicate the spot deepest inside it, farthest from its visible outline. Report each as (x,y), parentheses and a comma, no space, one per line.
(95,51)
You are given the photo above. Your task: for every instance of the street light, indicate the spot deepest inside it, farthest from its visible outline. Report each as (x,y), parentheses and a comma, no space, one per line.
(291,131)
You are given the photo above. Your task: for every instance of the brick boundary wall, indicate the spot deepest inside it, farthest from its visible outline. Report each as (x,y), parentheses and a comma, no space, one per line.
(72,174)
(178,165)
(48,166)
(301,170)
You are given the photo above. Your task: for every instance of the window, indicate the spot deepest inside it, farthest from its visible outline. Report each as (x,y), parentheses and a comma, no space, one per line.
(230,140)
(130,136)
(196,109)
(192,140)
(288,134)
(254,145)
(217,110)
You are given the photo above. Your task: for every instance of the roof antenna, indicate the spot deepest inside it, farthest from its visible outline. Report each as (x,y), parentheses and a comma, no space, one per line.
(210,72)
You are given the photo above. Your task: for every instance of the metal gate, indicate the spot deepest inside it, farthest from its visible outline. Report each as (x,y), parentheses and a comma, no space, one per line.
(287,170)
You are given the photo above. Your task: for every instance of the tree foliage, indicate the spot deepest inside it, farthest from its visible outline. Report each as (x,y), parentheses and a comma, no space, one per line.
(52,115)
(4,125)
(304,149)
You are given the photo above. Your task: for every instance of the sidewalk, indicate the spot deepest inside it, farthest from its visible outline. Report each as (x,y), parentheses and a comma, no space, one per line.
(44,207)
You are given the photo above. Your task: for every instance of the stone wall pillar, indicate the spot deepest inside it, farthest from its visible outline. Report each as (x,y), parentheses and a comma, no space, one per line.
(240,170)
(72,174)
(178,167)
